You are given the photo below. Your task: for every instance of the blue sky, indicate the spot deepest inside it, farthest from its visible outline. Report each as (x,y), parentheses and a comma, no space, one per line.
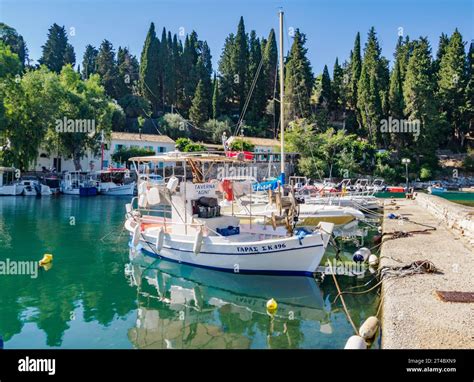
(330,26)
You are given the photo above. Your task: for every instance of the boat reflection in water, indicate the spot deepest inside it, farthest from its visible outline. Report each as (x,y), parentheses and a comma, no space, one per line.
(181,306)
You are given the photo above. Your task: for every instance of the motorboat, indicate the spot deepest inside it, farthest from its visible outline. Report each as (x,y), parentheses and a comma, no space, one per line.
(436,189)
(257,208)
(29,186)
(115,181)
(78,183)
(8,184)
(378,185)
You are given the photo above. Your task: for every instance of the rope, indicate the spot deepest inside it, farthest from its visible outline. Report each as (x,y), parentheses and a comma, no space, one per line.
(249,96)
(342,299)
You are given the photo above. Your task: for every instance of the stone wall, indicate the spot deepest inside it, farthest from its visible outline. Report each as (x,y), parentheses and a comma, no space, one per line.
(457,217)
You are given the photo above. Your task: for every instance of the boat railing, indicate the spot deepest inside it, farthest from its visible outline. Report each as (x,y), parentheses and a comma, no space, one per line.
(336,195)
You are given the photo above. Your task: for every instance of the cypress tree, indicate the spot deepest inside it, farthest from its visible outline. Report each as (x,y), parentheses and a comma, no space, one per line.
(57,52)
(298,79)
(204,67)
(165,71)
(149,69)
(215,99)
(469,110)
(89,61)
(199,111)
(107,68)
(270,65)
(355,71)
(372,88)
(190,70)
(396,84)
(452,80)
(172,75)
(337,90)
(127,71)
(69,55)
(226,72)
(240,62)
(258,102)
(325,95)
(442,46)
(177,58)
(420,101)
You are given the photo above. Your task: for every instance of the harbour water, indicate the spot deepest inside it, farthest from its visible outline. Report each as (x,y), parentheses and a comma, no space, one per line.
(99,295)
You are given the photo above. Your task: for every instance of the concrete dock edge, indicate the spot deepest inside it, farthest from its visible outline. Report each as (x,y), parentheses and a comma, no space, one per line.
(413,317)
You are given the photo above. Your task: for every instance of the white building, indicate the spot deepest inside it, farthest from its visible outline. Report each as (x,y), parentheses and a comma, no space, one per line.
(156,143)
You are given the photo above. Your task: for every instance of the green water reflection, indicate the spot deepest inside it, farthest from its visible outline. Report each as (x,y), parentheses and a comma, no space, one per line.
(99,295)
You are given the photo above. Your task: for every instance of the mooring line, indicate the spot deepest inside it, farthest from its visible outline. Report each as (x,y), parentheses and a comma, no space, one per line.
(342,299)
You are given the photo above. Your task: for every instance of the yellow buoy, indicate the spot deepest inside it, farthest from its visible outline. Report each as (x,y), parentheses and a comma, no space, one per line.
(47,266)
(272,306)
(47,258)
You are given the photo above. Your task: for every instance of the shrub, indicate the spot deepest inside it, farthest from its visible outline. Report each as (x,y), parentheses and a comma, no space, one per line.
(186,145)
(241,145)
(425,173)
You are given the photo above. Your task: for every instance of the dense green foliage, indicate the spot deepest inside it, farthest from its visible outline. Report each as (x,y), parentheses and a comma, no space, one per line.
(122,155)
(187,145)
(241,145)
(334,119)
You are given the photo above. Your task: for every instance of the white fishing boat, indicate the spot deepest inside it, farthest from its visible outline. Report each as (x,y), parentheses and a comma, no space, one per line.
(312,214)
(115,181)
(377,185)
(197,234)
(358,202)
(78,183)
(259,207)
(8,185)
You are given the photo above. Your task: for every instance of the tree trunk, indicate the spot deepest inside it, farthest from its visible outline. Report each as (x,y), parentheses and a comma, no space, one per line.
(77,161)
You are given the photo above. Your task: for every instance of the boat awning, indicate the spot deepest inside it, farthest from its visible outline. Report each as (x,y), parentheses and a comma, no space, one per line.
(174,156)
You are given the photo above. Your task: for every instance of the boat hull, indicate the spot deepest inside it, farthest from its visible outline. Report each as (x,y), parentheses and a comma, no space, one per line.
(126,189)
(11,190)
(287,256)
(70,191)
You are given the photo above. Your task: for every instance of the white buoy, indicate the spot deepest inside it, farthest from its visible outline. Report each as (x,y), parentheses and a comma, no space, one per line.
(142,201)
(128,208)
(365,252)
(198,242)
(355,342)
(153,196)
(373,260)
(159,239)
(369,328)
(136,235)
(172,184)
